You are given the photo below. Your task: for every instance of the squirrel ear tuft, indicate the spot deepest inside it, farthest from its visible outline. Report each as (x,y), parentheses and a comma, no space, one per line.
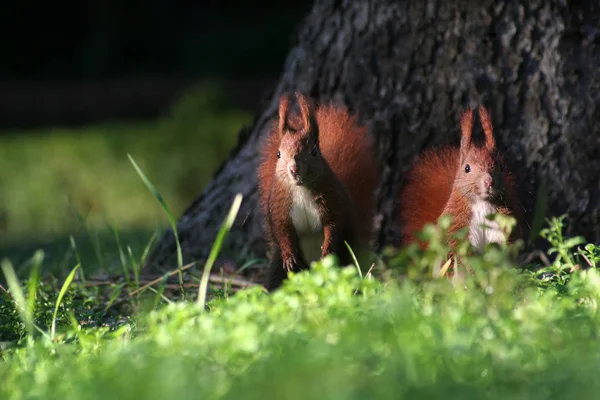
(466,131)
(296,117)
(306,110)
(488,130)
(284,106)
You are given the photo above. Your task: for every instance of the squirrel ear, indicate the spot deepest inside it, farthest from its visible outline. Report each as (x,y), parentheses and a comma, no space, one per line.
(466,130)
(486,123)
(306,110)
(284,105)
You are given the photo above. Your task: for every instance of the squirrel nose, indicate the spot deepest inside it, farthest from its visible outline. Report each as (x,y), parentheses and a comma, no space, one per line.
(487,181)
(293,171)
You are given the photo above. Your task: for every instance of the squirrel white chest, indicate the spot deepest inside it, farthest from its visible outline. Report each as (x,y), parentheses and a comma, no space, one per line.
(307,222)
(482,230)
(304,211)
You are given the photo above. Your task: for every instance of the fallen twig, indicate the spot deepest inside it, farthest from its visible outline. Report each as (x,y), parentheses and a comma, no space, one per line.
(584,257)
(213,278)
(157,280)
(5,291)
(537,253)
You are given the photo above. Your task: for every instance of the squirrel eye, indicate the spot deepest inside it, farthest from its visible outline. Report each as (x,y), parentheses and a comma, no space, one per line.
(467,168)
(278,154)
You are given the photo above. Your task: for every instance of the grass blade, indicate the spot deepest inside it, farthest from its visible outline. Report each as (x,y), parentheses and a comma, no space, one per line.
(34,279)
(445,267)
(134,267)
(147,249)
(77,257)
(93,236)
(160,295)
(250,263)
(165,207)
(17,293)
(62,292)
(216,247)
(121,255)
(114,295)
(354,258)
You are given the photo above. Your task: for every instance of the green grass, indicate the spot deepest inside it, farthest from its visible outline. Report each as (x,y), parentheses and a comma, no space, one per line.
(505,332)
(63,181)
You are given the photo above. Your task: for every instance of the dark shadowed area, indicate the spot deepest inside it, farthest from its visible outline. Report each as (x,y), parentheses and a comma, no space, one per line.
(82,84)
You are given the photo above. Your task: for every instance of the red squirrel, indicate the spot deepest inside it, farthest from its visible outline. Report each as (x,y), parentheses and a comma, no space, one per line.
(467,182)
(316,181)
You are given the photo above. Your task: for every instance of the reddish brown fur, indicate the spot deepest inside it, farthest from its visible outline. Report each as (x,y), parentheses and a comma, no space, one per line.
(349,149)
(424,193)
(437,183)
(343,185)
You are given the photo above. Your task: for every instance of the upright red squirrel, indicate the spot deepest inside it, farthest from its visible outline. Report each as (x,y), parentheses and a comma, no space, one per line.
(316,181)
(468,183)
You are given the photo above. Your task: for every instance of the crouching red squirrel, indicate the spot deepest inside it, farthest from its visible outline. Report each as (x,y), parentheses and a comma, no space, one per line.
(317,179)
(467,182)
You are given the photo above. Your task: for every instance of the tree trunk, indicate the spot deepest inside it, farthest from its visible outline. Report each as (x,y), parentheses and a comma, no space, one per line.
(408,68)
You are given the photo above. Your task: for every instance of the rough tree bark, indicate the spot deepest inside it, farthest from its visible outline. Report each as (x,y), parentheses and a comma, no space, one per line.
(408,68)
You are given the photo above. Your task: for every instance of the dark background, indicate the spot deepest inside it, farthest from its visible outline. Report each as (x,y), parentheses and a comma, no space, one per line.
(76,62)
(85,83)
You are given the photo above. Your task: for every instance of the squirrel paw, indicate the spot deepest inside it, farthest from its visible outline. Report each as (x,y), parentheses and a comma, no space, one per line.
(291,264)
